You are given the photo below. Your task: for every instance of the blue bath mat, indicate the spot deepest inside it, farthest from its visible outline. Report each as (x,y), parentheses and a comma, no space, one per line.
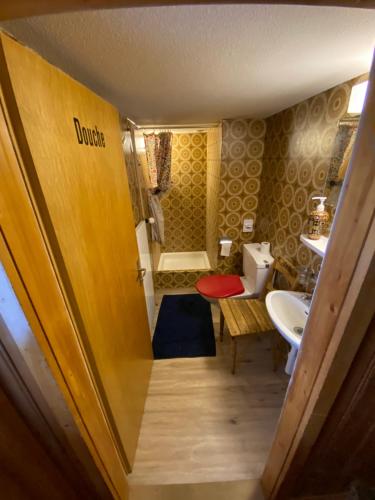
(184,328)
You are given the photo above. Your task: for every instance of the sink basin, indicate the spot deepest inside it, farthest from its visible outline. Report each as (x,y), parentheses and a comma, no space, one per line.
(288,312)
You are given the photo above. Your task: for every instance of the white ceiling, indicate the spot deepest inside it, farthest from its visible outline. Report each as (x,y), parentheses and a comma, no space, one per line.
(202,63)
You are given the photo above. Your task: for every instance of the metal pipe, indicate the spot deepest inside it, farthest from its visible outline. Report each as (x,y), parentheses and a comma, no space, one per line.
(177,127)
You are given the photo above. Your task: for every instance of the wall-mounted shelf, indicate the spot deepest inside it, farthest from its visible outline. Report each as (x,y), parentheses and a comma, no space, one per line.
(317,246)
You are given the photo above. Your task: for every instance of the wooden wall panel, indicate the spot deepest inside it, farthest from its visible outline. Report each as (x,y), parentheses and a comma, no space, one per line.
(344,453)
(26,470)
(83,199)
(28,381)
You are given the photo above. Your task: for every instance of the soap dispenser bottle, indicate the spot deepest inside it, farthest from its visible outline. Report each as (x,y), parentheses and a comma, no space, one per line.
(318,219)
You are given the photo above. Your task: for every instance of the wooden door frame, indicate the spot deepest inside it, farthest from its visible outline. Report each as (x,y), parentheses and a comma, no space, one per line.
(27,469)
(29,383)
(26,8)
(339,316)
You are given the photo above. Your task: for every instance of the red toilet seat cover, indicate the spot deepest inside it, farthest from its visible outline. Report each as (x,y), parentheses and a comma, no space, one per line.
(220,286)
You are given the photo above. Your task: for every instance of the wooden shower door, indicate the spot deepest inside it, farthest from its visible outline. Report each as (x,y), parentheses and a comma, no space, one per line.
(69,140)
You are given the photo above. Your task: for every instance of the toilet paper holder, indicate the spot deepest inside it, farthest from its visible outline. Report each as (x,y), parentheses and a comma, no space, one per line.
(224,239)
(225,246)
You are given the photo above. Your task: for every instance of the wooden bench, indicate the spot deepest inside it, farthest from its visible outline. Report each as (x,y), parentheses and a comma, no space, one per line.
(243,317)
(250,316)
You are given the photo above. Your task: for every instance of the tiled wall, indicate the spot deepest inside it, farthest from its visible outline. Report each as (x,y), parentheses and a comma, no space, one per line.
(298,150)
(241,167)
(213,184)
(184,205)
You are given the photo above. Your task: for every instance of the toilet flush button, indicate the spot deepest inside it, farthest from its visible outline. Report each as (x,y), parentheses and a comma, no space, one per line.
(248,226)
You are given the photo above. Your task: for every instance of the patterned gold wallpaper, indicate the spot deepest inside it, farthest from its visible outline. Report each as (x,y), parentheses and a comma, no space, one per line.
(184,205)
(269,170)
(178,279)
(298,149)
(213,184)
(241,167)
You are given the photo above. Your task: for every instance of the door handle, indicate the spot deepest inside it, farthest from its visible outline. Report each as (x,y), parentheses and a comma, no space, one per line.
(141,274)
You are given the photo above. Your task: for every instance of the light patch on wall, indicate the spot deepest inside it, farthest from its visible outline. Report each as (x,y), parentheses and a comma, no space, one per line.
(11,312)
(140,144)
(357,98)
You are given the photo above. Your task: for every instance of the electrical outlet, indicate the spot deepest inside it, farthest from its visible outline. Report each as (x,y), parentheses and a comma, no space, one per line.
(248,226)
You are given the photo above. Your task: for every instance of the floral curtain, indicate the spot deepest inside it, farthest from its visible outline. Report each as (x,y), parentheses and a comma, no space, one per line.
(159,158)
(163,160)
(159,155)
(150,144)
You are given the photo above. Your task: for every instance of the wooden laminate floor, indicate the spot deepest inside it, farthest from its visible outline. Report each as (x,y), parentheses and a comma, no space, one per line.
(229,490)
(203,424)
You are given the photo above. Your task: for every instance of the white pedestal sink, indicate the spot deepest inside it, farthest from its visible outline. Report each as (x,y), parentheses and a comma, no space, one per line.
(288,312)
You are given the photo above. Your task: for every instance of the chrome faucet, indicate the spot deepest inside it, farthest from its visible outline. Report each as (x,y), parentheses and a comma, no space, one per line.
(307,279)
(307,298)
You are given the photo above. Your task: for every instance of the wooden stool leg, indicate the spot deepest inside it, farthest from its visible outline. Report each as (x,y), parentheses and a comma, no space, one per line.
(234,345)
(221,325)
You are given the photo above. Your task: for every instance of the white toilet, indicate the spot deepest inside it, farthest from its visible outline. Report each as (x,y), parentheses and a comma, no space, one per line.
(256,264)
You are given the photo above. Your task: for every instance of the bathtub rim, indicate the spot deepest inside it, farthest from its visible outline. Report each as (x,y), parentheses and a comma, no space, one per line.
(192,267)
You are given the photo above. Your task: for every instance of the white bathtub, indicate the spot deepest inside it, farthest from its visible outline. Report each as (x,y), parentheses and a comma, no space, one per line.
(183,261)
